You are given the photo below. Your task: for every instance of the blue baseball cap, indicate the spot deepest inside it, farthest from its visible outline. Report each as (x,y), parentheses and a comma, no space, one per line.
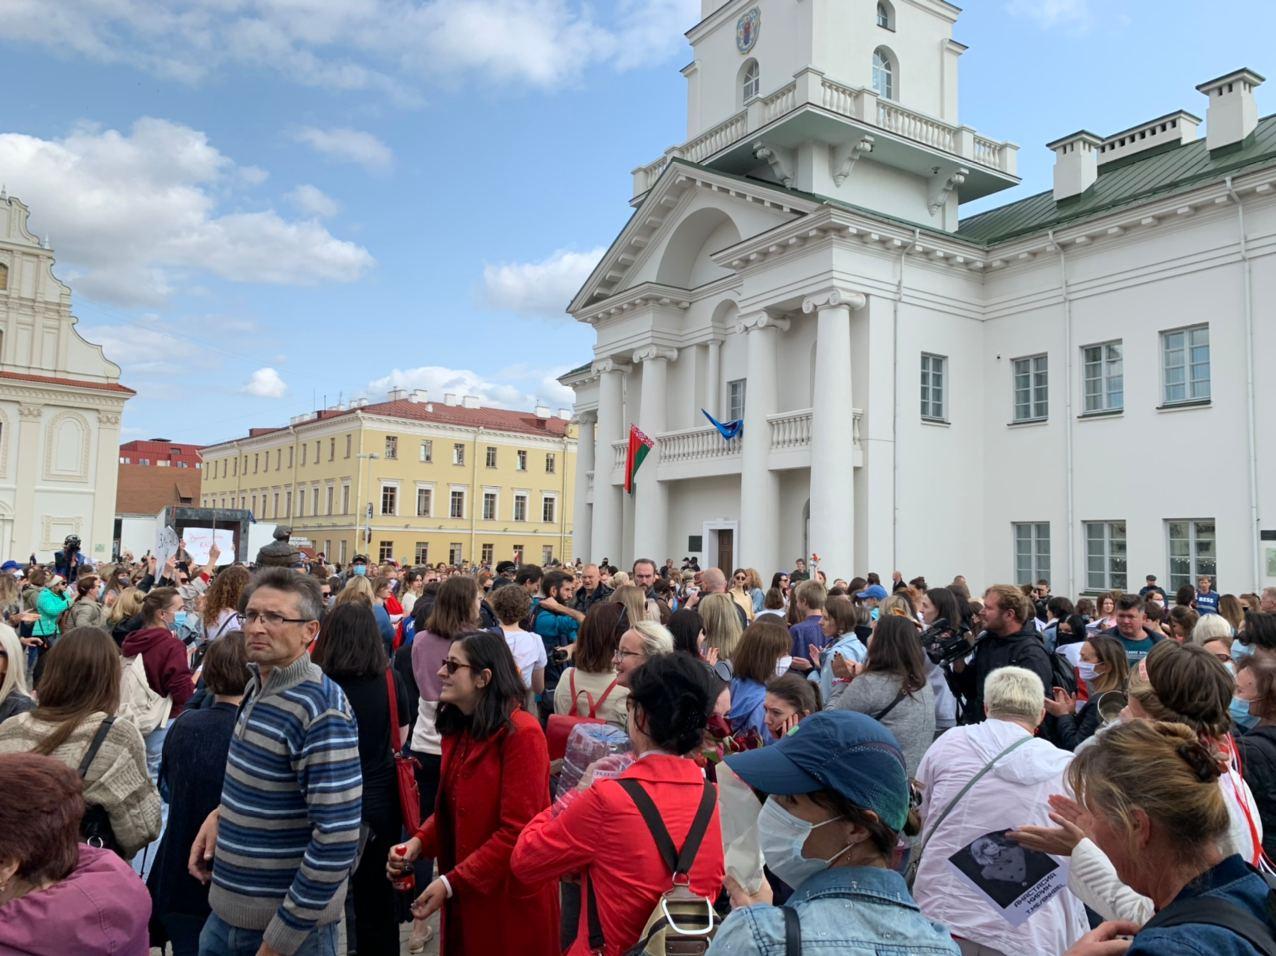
(10,566)
(840,750)
(874,591)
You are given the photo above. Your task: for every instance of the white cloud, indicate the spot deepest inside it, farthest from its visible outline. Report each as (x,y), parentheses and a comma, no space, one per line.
(384,46)
(1072,15)
(133,214)
(348,146)
(517,388)
(314,201)
(266,383)
(542,288)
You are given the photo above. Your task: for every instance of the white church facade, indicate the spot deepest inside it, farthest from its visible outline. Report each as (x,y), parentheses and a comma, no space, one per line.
(1069,386)
(60,407)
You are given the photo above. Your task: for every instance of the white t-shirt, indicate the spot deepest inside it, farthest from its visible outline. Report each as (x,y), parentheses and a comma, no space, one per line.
(528,650)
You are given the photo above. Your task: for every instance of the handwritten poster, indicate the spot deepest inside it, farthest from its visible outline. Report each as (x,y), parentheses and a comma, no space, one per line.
(165,547)
(199,542)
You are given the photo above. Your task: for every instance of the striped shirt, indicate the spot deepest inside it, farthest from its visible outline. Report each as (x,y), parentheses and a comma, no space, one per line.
(290,807)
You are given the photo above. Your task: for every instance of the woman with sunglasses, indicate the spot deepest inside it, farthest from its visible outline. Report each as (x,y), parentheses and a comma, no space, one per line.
(495,778)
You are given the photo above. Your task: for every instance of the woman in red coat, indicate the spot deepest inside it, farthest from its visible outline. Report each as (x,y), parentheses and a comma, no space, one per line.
(495,778)
(601,833)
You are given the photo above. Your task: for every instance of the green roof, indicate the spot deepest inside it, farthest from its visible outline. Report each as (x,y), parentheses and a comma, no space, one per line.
(1124,181)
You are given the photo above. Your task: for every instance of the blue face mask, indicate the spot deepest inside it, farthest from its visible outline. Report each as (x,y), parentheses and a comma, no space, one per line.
(1239,712)
(179,620)
(1241,651)
(361,570)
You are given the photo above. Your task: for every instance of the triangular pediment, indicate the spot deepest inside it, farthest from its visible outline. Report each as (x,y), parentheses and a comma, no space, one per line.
(689,213)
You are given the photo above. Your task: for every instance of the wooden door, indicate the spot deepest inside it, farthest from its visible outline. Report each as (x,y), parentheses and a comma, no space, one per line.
(726,550)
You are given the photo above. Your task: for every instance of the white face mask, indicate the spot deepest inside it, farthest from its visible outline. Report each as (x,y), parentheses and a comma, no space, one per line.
(782,665)
(781,836)
(1086,670)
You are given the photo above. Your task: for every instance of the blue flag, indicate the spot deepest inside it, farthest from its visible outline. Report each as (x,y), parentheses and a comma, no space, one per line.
(728,430)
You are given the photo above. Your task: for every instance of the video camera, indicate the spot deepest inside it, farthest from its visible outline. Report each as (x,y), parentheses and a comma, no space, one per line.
(944,643)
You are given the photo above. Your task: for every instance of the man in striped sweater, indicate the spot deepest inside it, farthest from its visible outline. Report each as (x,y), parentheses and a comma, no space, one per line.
(280,848)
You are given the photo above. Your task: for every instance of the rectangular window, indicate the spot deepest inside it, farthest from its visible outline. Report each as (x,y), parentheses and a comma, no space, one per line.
(934,384)
(318,445)
(303,454)
(487,552)
(1185,365)
(421,553)
(522,460)
(330,493)
(520,507)
(287,504)
(457,508)
(1105,564)
(341,551)
(424,502)
(549,507)
(735,399)
(427,452)
(253,504)
(1032,551)
(301,503)
(389,500)
(458,454)
(547,553)
(349,443)
(332,449)
(1103,378)
(489,506)
(279,458)
(1192,550)
(290,450)
(1032,393)
(385,551)
(454,553)
(550,463)
(275,505)
(345,499)
(518,554)
(391,447)
(490,458)
(256,461)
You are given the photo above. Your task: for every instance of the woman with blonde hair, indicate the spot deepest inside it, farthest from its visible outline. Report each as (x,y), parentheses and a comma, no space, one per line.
(1231,610)
(357,589)
(14,692)
(722,629)
(634,602)
(125,615)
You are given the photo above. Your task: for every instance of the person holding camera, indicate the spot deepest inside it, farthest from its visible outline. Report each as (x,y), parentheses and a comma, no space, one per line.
(1009,639)
(67,562)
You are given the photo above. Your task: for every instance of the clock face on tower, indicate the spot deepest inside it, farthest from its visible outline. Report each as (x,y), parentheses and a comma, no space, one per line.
(746,30)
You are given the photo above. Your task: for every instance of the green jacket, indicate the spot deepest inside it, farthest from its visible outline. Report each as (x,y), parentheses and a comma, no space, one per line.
(50,605)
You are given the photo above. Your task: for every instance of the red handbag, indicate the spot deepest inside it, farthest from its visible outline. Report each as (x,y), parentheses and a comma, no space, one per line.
(559,726)
(405,767)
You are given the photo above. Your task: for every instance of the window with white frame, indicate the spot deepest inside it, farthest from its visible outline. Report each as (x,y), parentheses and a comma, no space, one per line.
(421,553)
(345,499)
(454,552)
(341,550)
(1185,365)
(426,454)
(547,553)
(391,447)
(735,399)
(457,504)
(389,499)
(1032,551)
(1192,550)
(458,454)
(518,553)
(489,506)
(424,502)
(275,502)
(330,492)
(1105,556)
(884,79)
(750,81)
(349,443)
(486,553)
(301,503)
(1103,379)
(521,460)
(934,382)
(385,550)
(549,509)
(287,504)
(332,450)
(520,507)
(1032,391)
(491,457)
(551,462)
(885,16)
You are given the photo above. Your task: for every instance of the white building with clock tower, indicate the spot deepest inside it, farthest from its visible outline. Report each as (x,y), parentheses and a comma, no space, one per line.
(1016,394)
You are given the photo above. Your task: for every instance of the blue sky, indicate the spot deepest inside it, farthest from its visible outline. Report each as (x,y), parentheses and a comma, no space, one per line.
(260,203)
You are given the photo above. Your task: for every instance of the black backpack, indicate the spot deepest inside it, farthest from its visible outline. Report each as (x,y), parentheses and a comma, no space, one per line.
(95,827)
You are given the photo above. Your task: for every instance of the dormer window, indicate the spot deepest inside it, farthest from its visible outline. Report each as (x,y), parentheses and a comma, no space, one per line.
(884,73)
(885,16)
(750,81)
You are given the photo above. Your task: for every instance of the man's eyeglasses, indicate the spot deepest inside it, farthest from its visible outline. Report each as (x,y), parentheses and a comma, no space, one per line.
(269,618)
(453,666)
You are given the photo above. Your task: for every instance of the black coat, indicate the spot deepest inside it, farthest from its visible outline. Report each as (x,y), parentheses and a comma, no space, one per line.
(992,652)
(1258,761)
(1071,729)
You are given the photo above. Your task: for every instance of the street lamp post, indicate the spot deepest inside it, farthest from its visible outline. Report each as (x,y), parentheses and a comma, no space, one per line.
(369,457)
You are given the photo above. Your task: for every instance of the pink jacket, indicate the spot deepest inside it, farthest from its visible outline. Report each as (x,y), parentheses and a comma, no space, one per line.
(100,908)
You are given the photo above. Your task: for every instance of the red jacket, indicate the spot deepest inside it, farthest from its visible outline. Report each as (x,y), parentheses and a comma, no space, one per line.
(602,834)
(488,790)
(165,662)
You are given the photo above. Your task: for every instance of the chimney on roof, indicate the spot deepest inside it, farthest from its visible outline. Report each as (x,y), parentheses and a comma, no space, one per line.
(1076,164)
(396,394)
(1178,128)
(418,396)
(542,411)
(565,414)
(449,398)
(1233,114)
(470,401)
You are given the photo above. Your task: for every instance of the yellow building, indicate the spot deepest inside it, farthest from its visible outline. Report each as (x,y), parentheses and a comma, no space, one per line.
(409,479)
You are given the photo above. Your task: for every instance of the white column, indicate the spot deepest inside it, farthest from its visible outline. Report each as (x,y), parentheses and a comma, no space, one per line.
(26,514)
(651,496)
(712,376)
(832,443)
(581,533)
(100,526)
(605,533)
(759,545)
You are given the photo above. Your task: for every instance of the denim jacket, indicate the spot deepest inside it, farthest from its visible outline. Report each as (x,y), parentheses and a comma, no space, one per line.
(851,911)
(1231,881)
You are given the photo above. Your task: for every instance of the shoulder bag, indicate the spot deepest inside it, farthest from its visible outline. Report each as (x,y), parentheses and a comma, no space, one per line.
(405,767)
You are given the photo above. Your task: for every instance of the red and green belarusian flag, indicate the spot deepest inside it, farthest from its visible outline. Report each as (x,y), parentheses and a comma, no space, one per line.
(639,446)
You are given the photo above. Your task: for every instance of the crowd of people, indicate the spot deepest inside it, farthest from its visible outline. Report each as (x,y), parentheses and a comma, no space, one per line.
(216,759)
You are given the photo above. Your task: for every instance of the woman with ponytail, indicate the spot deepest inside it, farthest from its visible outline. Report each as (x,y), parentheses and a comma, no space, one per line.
(1152,802)
(601,833)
